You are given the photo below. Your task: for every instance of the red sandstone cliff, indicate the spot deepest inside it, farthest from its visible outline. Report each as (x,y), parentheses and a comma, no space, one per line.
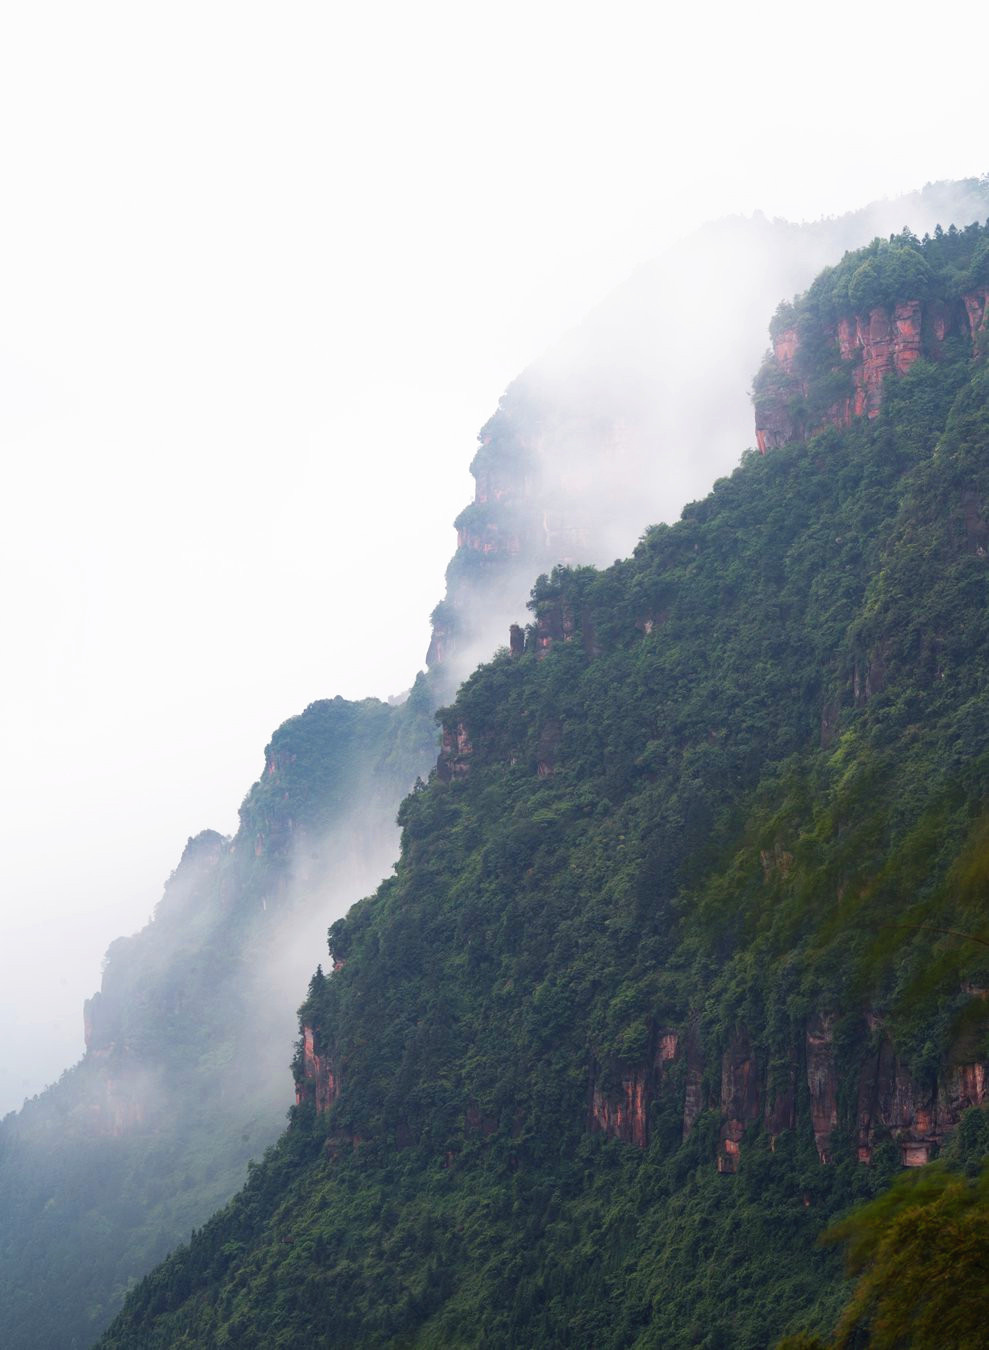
(867,347)
(320,1080)
(624,1114)
(455,752)
(888,1102)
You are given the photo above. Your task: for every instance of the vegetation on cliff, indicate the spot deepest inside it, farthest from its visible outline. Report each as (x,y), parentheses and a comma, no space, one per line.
(880,309)
(943,265)
(673,970)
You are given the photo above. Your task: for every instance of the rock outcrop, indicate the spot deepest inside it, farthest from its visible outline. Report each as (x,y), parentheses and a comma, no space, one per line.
(822,1081)
(455,752)
(892,1104)
(741,1092)
(885,1101)
(865,348)
(320,1079)
(625,1114)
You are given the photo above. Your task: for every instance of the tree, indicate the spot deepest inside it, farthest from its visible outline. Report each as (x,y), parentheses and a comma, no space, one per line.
(921,1251)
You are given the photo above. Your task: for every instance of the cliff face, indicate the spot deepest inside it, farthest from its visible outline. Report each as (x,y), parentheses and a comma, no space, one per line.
(625,1114)
(534,473)
(869,347)
(835,347)
(455,752)
(319,1082)
(882,1099)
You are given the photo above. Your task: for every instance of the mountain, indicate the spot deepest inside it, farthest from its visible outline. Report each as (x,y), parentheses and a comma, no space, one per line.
(187,1042)
(641,407)
(686,949)
(185,1076)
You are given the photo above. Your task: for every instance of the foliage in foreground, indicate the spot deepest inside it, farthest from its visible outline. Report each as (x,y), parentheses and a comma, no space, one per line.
(920,1251)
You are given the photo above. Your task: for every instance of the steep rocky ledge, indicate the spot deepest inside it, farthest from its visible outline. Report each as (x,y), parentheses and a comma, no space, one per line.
(794,397)
(872,1101)
(530,510)
(318,1079)
(885,1101)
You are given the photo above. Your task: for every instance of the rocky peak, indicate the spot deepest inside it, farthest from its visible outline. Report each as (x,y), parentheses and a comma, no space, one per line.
(864,349)
(870,318)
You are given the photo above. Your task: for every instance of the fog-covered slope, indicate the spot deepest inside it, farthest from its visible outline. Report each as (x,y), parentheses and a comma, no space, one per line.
(686,950)
(185,1075)
(642,406)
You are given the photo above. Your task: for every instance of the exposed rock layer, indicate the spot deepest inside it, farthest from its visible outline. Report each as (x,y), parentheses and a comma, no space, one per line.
(888,1102)
(320,1080)
(886,340)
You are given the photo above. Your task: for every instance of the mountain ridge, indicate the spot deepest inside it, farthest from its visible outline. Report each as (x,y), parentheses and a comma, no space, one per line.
(150,1134)
(673,967)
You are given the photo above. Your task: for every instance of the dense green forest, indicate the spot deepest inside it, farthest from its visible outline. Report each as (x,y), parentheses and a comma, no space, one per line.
(686,952)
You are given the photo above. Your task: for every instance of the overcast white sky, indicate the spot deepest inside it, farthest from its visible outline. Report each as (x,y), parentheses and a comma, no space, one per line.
(264,271)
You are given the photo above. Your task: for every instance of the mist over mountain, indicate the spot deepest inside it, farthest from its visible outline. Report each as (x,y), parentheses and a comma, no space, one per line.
(685,951)
(640,408)
(184,1077)
(188,1040)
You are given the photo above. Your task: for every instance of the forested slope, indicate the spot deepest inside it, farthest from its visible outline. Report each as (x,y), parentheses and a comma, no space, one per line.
(686,950)
(619,424)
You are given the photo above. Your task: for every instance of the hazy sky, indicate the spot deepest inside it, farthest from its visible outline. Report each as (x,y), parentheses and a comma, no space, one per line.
(265,270)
